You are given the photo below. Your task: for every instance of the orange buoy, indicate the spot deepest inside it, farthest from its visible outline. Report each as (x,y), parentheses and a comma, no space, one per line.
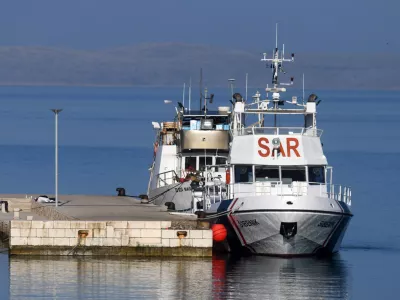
(219,232)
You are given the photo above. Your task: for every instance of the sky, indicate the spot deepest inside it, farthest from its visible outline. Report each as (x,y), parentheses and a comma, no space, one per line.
(308,25)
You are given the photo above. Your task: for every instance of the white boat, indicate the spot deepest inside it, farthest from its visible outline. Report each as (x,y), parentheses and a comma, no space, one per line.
(183,150)
(281,200)
(271,187)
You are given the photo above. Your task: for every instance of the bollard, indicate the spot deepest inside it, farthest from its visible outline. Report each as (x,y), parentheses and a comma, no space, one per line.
(16,213)
(121,191)
(145,199)
(202,224)
(4,206)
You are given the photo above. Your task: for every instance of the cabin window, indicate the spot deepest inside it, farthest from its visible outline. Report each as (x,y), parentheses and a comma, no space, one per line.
(220,161)
(243,173)
(204,161)
(190,162)
(267,173)
(290,174)
(316,174)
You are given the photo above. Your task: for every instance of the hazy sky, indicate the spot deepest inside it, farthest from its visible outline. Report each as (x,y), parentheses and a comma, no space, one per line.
(318,25)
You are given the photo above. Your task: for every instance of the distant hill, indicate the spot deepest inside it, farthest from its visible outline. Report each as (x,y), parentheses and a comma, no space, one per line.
(173,64)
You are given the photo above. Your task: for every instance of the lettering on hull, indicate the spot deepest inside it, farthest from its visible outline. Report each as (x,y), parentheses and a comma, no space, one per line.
(179,190)
(326,224)
(248,223)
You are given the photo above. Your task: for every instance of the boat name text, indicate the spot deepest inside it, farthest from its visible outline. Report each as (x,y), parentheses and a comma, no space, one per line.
(326,224)
(248,223)
(185,189)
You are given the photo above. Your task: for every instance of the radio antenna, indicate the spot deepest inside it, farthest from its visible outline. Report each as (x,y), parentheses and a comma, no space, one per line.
(303,88)
(276,64)
(247,78)
(190,91)
(201,86)
(183,95)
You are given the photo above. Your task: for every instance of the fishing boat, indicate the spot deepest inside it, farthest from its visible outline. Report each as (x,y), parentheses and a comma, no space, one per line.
(280,199)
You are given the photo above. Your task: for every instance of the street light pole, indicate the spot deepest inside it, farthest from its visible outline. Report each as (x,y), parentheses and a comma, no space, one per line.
(56,111)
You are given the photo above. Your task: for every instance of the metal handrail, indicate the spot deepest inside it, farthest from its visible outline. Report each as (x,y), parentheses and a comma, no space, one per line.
(333,191)
(314,132)
(165,178)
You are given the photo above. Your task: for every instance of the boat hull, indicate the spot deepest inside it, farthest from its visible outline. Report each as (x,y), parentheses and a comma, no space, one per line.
(178,193)
(286,232)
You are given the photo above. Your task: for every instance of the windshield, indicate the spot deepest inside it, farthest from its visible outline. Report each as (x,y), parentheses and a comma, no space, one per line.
(243,173)
(290,174)
(265,173)
(316,174)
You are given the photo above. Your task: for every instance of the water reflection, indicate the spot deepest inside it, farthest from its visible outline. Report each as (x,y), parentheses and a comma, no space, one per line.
(217,278)
(94,278)
(275,278)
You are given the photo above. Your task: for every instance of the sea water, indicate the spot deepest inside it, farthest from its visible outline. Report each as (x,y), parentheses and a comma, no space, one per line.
(105,142)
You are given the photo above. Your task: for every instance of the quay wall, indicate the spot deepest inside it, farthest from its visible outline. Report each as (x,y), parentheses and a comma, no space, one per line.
(4,234)
(127,238)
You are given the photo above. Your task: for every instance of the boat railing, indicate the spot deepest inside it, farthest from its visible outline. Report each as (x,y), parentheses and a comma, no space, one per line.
(221,191)
(166,178)
(339,192)
(314,132)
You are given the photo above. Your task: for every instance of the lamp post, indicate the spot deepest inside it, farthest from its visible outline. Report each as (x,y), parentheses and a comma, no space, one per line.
(56,111)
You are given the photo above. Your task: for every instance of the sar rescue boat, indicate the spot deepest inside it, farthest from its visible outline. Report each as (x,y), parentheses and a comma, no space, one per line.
(281,200)
(271,187)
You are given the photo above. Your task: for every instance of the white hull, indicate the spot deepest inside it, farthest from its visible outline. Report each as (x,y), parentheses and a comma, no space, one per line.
(178,193)
(287,230)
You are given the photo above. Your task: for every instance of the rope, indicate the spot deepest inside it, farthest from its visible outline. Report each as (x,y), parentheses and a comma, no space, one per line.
(166,191)
(215,215)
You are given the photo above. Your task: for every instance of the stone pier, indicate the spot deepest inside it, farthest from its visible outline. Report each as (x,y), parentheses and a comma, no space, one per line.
(126,238)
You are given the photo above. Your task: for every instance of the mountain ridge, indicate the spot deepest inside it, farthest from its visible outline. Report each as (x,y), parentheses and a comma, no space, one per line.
(171,64)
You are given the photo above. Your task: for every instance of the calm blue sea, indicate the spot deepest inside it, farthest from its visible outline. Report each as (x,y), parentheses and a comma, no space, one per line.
(105,138)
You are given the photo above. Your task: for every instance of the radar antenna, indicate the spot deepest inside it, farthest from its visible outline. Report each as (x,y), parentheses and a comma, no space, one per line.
(277,61)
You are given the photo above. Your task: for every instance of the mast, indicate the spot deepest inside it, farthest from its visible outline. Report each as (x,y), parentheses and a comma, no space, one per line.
(303,89)
(247,79)
(201,87)
(205,102)
(190,92)
(183,95)
(276,65)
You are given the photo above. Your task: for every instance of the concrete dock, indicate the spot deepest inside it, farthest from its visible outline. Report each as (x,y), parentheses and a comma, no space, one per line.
(100,225)
(100,208)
